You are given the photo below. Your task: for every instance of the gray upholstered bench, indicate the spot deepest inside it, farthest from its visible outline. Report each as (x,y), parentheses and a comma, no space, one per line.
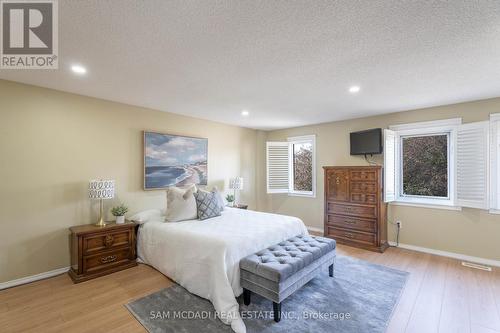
(276,272)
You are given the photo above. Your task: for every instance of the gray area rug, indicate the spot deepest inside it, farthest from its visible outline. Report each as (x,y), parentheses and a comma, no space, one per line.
(360,298)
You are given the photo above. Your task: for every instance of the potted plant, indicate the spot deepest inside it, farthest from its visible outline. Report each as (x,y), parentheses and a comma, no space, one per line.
(119,213)
(230,200)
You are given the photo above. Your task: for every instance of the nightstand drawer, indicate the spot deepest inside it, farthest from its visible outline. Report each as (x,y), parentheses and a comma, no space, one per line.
(106,241)
(106,260)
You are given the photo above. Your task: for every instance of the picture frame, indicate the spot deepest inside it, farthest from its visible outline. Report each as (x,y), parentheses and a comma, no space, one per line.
(173,160)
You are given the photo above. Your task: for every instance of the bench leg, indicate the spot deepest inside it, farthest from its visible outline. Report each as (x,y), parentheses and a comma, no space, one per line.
(246,296)
(277,311)
(331,269)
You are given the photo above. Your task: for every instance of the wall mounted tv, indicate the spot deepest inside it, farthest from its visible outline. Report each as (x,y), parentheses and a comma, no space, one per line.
(367,142)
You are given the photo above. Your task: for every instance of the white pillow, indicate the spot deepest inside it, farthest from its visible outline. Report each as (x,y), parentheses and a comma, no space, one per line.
(146,215)
(181,204)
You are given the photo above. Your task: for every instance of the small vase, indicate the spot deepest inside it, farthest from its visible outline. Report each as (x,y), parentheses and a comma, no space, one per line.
(120,219)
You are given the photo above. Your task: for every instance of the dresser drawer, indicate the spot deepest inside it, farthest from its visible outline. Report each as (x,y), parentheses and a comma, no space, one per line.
(359,210)
(106,241)
(352,223)
(364,187)
(363,175)
(368,198)
(105,260)
(365,238)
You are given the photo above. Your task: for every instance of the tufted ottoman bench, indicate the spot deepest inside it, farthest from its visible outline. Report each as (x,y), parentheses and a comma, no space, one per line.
(276,272)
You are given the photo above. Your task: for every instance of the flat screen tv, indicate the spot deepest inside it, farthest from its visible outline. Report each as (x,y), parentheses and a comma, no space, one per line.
(367,142)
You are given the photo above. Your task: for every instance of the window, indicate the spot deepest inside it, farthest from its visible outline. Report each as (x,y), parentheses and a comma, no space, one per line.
(424,163)
(424,159)
(438,163)
(291,166)
(302,166)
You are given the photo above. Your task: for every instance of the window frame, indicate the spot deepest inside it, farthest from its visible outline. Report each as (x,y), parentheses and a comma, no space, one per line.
(291,186)
(440,127)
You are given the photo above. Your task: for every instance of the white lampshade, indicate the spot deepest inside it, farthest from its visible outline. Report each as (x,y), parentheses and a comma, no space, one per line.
(236,183)
(101,189)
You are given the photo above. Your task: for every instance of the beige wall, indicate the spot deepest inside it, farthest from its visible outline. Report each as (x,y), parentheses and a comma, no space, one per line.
(470,231)
(53,143)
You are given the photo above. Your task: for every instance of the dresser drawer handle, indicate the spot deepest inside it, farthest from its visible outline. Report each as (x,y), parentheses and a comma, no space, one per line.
(108,259)
(109,240)
(350,222)
(349,235)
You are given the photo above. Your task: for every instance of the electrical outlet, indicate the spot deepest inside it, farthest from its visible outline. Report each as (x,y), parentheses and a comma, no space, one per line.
(399,224)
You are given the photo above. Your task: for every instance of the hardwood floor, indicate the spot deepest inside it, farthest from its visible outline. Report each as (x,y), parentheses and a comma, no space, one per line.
(440,296)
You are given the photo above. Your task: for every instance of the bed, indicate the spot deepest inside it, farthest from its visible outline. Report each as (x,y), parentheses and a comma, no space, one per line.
(203,256)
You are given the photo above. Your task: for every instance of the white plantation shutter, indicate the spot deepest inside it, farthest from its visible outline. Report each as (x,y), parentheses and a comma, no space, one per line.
(472,165)
(494,161)
(277,167)
(389,165)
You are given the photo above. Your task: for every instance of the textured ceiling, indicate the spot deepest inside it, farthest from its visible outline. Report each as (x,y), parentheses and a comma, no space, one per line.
(289,63)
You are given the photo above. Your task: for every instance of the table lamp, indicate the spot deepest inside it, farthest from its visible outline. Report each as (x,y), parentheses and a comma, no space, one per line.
(101,189)
(236,184)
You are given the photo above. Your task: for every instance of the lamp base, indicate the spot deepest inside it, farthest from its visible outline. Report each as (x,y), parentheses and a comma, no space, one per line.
(101,222)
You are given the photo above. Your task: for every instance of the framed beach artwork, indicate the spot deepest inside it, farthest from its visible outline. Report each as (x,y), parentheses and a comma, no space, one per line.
(174,160)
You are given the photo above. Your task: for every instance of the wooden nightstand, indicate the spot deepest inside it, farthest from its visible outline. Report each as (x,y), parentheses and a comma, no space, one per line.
(97,251)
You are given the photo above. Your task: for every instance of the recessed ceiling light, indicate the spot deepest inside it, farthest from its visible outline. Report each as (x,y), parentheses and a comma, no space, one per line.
(78,69)
(354,89)
(245,113)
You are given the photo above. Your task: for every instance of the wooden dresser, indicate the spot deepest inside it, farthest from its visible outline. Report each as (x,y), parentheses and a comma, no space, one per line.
(355,213)
(97,251)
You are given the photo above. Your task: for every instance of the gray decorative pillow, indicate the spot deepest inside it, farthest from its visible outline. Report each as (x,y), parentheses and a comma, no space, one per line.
(207,204)
(219,198)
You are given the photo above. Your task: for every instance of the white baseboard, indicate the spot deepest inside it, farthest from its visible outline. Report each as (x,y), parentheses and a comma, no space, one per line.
(33,278)
(483,261)
(315,230)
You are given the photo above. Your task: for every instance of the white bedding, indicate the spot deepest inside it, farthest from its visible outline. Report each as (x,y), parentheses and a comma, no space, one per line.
(204,256)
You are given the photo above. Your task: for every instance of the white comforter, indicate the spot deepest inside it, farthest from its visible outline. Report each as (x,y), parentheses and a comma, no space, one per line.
(204,256)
